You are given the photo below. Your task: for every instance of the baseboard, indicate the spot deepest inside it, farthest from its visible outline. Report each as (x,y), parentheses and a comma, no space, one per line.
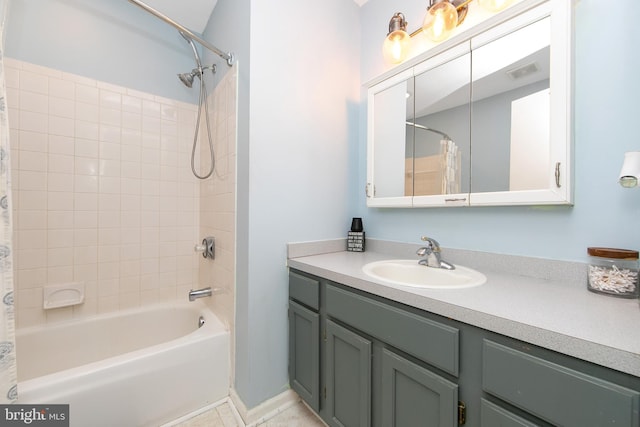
(266,410)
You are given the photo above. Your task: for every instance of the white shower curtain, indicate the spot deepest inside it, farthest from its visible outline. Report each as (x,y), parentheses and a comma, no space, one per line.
(8,374)
(450,167)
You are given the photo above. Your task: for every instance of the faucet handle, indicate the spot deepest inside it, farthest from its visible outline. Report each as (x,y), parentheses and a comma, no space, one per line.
(424,251)
(432,242)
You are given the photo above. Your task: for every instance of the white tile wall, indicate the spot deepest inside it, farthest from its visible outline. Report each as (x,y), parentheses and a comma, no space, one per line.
(103,193)
(218,199)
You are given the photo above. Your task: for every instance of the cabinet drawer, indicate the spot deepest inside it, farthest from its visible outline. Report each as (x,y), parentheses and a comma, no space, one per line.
(304,289)
(492,415)
(557,394)
(432,342)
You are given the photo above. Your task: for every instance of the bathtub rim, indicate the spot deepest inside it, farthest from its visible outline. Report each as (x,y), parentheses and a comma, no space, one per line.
(199,305)
(213,328)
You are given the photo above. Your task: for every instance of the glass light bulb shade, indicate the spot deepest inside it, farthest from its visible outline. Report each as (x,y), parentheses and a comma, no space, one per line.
(440,20)
(396,47)
(630,171)
(628,181)
(494,5)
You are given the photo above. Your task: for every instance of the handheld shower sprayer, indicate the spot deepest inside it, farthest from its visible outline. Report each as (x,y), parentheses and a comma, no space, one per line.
(187,79)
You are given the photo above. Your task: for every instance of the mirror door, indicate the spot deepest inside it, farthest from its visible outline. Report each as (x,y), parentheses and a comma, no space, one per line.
(390,141)
(515,155)
(441,162)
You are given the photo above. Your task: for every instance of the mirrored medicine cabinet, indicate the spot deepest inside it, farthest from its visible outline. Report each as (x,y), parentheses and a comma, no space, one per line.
(484,122)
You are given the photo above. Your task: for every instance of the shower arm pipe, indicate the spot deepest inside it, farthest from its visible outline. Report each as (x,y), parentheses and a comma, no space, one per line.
(228,56)
(447,137)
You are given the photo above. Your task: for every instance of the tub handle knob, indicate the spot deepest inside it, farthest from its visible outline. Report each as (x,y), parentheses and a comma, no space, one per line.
(208,247)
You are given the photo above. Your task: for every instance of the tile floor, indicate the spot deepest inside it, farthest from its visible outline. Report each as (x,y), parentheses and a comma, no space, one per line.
(297,415)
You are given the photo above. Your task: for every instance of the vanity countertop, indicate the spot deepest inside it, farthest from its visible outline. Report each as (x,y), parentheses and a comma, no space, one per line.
(550,313)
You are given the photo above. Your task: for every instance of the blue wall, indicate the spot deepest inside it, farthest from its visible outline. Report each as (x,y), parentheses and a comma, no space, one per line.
(303,118)
(107,40)
(606,125)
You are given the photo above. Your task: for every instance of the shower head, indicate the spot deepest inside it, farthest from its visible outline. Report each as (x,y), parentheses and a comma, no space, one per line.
(187,78)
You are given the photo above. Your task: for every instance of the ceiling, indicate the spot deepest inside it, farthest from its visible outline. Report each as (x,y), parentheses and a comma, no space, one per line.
(193,14)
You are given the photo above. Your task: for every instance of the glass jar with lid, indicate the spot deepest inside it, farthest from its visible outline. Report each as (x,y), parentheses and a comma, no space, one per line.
(613,272)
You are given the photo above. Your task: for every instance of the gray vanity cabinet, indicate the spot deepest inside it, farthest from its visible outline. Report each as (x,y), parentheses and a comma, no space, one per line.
(404,391)
(369,375)
(361,360)
(304,338)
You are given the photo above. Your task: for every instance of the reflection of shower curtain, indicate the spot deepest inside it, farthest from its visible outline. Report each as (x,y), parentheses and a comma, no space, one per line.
(450,167)
(8,376)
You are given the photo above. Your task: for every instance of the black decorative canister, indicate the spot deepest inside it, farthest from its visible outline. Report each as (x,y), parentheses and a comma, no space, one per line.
(355,237)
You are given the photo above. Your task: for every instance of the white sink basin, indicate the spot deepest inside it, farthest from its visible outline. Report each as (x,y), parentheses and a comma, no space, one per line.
(407,272)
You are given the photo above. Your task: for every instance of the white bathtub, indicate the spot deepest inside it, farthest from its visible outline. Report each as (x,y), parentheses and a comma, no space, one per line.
(143,367)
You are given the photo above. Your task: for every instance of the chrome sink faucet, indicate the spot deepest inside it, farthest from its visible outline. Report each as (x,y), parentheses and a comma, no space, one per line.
(431,252)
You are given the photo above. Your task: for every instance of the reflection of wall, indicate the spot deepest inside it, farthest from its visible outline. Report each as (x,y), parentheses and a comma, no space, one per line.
(529,164)
(491,145)
(490,124)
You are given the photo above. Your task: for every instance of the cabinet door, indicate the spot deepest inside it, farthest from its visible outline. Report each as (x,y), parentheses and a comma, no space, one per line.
(521,138)
(442,160)
(415,396)
(348,379)
(304,353)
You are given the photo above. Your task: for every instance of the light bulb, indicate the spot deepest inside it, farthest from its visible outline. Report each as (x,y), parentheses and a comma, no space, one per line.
(440,20)
(494,5)
(396,47)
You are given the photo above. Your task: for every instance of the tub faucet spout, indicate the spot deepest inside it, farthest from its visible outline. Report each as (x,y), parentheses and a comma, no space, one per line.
(199,293)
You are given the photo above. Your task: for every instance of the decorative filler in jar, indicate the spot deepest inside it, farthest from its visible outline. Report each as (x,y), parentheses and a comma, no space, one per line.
(613,272)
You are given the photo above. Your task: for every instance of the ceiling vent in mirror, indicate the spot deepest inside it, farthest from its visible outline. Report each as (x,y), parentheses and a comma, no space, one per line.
(524,70)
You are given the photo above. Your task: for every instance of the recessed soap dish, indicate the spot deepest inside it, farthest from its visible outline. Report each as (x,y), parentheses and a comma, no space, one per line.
(65,295)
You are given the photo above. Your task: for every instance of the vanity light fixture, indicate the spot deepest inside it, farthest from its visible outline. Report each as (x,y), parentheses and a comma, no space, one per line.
(442,17)
(396,45)
(630,172)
